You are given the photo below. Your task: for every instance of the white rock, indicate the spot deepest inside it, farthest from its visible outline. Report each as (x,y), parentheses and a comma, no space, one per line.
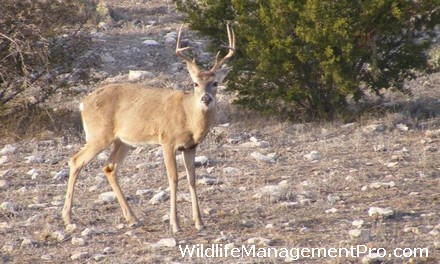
(136,75)
(171,37)
(208,180)
(158,153)
(262,144)
(434,232)
(3,159)
(8,149)
(374,128)
(98,257)
(261,157)
(28,242)
(348,125)
(392,164)
(210,170)
(275,193)
(78,241)
(432,133)
(33,173)
(260,241)
(234,139)
(231,171)
(4,184)
(59,235)
(46,257)
(151,42)
(332,198)
(107,57)
(152,22)
(159,197)
(372,258)
(201,161)
(209,211)
(363,234)
(8,207)
(290,260)
(272,156)
(230,245)
(5,225)
(380,147)
(6,173)
(166,242)
(331,210)
(61,175)
(357,223)
(313,156)
(378,211)
(8,247)
(289,205)
(166,219)
(107,197)
(88,232)
(377,185)
(183,197)
(269,226)
(402,127)
(107,250)
(79,256)
(247,145)
(172,34)
(33,159)
(103,156)
(131,233)
(220,240)
(304,230)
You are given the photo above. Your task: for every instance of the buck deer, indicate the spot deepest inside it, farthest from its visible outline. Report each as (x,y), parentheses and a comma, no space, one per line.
(133,115)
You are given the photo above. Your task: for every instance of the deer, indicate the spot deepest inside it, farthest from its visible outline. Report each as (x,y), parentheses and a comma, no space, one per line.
(128,115)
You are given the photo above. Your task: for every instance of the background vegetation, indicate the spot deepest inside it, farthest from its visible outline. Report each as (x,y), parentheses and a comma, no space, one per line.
(312,57)
(38,42)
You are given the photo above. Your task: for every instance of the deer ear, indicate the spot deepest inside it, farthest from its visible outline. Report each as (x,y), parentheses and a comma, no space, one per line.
(221,74)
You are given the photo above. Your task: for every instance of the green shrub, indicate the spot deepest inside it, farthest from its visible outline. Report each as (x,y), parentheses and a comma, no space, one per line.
(310,56)
(38,41)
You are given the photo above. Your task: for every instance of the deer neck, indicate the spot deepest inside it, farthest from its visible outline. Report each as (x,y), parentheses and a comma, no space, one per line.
(202,118)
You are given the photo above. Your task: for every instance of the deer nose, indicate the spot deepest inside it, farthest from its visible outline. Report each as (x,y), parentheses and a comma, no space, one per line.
(206,99)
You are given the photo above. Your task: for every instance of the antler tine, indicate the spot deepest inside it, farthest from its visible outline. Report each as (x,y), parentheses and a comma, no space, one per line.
(231,47)
(179,50)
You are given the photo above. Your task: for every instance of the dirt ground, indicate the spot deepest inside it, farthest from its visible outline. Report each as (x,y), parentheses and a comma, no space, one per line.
(368,186)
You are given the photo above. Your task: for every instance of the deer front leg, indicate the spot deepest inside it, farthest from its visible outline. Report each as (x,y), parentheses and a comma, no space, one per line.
(188,158)
(169,154)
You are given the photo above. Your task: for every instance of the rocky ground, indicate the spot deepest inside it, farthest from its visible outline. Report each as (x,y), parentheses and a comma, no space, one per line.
(372,184)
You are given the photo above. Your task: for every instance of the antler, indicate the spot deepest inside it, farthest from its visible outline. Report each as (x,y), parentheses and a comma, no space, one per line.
(231,47)
(179,52)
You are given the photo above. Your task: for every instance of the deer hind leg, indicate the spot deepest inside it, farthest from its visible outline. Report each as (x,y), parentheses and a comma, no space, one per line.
(169,155)
(110,170)
(77,162)
(188,158)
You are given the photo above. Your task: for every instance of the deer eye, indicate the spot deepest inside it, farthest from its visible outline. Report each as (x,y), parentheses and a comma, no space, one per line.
(196,85)
(215,84)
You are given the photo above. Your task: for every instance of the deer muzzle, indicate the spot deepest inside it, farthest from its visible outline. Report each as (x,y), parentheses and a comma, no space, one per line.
(206,99)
